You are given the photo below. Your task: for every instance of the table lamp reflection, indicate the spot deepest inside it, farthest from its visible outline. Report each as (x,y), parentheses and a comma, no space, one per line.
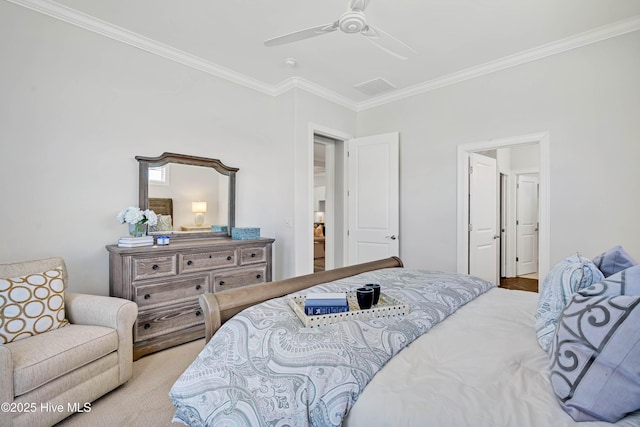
(199,208)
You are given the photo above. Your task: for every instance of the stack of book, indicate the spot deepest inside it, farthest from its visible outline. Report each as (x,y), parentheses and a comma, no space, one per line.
(134,242)
(325,303)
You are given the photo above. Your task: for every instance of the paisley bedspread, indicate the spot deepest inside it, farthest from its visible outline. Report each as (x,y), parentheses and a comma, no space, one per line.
(263,368)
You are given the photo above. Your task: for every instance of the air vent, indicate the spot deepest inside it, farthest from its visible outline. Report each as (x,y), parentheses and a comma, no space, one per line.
(375,86)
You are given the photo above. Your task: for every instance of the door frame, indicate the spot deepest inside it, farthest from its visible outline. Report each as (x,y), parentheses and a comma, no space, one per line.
(330,212)
(544,239)
(510,240)
(304,218)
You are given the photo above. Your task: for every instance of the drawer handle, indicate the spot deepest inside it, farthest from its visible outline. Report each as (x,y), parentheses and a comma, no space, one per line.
(147,296)
(189,262)
(221,282)
(155,267)
(210,256)
(229,258)
(253,255)
(258,276)
(198,313)
(198,287)
(147,326)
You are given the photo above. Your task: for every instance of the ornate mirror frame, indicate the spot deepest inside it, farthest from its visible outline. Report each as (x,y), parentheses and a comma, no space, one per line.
(143,186)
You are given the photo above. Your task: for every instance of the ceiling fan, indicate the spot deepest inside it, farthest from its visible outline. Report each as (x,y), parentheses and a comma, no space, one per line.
(351,22)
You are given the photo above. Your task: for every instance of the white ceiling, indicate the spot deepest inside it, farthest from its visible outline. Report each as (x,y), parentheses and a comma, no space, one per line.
(453,39)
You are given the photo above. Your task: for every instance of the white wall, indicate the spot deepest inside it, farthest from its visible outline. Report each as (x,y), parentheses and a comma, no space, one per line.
(76,108)
(524,157)
(588,100)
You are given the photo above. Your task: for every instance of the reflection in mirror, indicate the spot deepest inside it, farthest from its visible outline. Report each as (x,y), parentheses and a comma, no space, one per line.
(186,185)
(190,195)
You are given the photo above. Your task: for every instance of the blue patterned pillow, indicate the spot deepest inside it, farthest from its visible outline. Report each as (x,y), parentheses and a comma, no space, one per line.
(614,260)
(564,280)
(595,353)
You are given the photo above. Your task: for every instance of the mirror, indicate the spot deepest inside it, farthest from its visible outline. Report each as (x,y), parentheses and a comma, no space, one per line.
(190,195)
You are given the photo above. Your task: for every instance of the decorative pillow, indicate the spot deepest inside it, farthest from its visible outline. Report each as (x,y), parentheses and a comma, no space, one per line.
(595,353)
(564,280)
(31,305)
(614,260)
(165,223)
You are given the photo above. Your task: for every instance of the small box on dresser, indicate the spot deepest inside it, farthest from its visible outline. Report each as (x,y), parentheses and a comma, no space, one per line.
(245,233)
(165,282)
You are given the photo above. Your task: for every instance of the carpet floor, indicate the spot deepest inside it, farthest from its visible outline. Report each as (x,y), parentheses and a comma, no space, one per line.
(144,399)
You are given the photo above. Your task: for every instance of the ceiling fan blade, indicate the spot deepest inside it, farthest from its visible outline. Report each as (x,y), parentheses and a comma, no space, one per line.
(387,42)
(358,5)
(302,34)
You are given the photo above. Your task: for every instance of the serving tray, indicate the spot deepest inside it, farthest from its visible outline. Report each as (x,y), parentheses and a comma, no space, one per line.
(387,306)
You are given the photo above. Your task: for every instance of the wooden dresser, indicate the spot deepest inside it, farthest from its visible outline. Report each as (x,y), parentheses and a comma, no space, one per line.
(165,282)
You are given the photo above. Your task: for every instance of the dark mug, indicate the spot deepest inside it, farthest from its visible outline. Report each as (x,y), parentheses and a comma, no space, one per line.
(376,292)
(365,298)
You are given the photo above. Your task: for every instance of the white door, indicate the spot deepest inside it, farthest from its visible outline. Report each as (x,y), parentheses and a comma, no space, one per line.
(374,196)
(527,225)
(483,218)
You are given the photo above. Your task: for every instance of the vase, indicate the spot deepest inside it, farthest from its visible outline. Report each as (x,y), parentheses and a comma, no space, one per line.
(138,230)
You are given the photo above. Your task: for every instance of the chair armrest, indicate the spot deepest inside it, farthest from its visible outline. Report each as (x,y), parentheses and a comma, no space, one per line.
(97,310)
(6,377)
(117,313)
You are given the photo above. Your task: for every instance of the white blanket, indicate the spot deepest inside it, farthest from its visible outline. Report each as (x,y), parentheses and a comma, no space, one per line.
(480,367)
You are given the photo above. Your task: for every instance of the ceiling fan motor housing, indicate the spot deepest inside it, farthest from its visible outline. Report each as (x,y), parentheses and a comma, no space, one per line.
(352,22)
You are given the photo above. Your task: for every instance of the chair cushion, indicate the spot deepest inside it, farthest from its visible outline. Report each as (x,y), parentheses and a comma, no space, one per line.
(31,304)
(45,357)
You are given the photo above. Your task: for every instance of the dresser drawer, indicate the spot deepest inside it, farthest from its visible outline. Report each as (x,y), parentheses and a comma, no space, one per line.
(239,277)
(252,255)
(159,321)
(207,260)
(171,291)
(144,268)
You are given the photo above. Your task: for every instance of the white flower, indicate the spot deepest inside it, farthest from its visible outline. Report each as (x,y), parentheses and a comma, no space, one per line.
(152,218)
(133,215)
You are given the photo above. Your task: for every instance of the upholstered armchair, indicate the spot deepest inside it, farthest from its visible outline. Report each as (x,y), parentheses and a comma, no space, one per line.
(45,376)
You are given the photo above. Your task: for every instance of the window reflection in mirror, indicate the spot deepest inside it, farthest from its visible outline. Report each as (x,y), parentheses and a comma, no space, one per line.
(185,184)
(159,175)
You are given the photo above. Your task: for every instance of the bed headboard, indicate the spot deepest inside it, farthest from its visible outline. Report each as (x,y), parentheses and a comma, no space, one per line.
(161,206)
(219,307)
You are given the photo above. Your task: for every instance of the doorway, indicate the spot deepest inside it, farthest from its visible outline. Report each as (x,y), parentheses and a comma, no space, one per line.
(320,220)
(520,225)
(328,195)
(507,231)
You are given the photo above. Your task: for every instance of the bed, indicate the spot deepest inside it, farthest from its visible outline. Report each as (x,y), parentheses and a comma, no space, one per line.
(465,355)
(163,207)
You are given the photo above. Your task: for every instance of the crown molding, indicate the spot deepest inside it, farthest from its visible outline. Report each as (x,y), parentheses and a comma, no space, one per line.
(588,37)
(98,26)
(321,91)
(91,23)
